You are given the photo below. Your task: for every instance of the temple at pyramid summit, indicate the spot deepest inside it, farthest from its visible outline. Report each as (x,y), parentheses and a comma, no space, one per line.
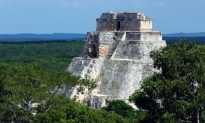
(116,56)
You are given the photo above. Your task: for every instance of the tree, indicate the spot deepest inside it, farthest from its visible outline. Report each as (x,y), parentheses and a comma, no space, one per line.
(67,111)
(123,109)
(27,89)
(177,94)
(120,107)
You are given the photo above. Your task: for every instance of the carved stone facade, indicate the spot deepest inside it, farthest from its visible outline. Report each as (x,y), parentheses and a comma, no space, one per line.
(128,21)
(116,56)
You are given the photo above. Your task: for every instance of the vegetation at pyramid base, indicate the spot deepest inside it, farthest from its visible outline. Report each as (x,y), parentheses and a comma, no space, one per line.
(70,112)
(123,109)
(177,94)
(27,89)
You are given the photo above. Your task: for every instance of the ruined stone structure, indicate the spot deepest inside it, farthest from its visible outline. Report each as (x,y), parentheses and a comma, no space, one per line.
(116,56)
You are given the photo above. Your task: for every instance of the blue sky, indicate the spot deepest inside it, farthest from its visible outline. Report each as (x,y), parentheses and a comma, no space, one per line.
(78,16)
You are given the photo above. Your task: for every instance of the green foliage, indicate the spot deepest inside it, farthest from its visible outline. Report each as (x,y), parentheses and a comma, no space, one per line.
(121,108)
(177,94)
(181,59)
(71,112)
(22,86)
(53,56)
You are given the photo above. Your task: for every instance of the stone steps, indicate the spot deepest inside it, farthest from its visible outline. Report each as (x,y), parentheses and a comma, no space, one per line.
(91,69)
(120,36)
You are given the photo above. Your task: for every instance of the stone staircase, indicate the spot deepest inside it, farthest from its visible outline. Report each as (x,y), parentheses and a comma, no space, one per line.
(92,70)
(120,37)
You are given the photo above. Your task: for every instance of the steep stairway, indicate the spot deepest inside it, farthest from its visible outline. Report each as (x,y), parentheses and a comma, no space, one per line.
(120,37)
(93,69)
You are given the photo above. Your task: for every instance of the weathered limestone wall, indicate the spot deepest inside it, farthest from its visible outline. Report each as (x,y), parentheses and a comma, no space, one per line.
(106,25)
(123,22)
(136,25)
(145,25)
(136,50)
(78,65)
(88,68)
(144,36)
(120,78)
(134,45)
(105,43)
(102,44)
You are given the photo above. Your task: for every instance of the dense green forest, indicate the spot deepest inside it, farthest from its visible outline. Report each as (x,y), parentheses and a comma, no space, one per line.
(52,55)
(29,72)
